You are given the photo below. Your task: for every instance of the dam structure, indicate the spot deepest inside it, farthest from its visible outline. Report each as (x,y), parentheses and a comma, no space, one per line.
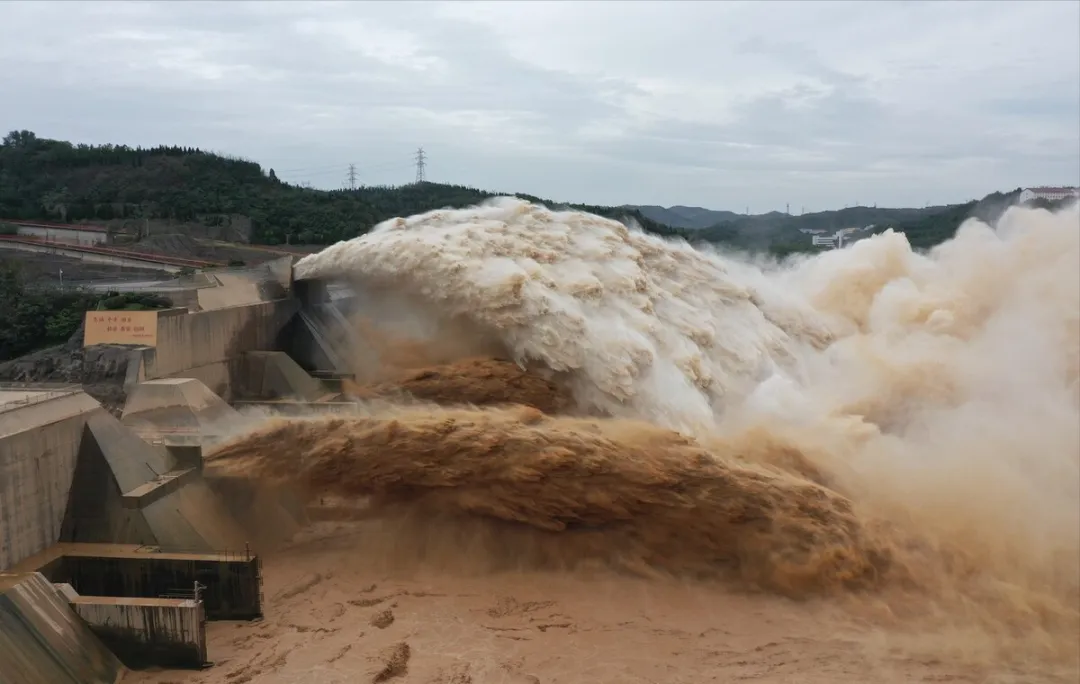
(115,551)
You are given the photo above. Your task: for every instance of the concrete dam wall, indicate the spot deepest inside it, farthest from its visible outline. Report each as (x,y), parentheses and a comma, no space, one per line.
(145,632)
(40,438)
(208,345)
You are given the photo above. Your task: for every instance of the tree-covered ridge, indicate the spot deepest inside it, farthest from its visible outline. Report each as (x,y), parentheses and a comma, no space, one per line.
(927,231)
(60,181)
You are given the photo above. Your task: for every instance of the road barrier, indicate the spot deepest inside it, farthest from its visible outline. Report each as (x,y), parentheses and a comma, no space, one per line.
(112,251)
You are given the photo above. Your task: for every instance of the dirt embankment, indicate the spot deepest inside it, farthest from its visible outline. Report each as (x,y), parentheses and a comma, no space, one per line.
(55,269)
(101,370)
(188,247)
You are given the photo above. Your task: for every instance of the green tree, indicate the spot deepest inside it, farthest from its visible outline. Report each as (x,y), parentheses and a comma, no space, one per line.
(59,181)
(34,318)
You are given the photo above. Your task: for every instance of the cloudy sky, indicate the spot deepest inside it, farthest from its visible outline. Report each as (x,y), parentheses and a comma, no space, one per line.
(728,105)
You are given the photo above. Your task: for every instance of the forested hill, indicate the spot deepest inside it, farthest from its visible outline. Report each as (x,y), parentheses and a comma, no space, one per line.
(61,181)
(237,199)
(939,226)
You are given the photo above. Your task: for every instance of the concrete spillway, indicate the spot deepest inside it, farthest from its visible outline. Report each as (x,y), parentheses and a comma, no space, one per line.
(69,471)
(325,341)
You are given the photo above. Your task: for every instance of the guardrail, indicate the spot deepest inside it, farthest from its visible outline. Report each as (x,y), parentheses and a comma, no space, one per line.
(111,251)
(41,394)
(227,555)
(41,386)
(58,226)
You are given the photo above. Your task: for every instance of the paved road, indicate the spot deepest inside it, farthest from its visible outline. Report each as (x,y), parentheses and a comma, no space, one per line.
(130,285)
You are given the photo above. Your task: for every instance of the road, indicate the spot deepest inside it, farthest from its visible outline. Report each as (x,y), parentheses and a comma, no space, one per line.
(171,285)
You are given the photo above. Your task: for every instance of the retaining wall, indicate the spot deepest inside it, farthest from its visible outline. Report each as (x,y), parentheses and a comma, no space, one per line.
(25,244)
(147,632)
(208,345)
(78,236)
(39,447)
(233,584)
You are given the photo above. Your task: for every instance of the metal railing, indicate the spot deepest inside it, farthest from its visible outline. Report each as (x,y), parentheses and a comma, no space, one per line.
(42,392)
(222,555)
(194,594)
(137,282)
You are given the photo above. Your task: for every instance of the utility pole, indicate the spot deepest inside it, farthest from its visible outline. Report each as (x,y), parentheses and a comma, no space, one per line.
(352,176)
(420,165)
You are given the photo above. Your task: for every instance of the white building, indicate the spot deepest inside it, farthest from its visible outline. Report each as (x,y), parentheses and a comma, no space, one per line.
(836,240)
(1048,193)
(73,234)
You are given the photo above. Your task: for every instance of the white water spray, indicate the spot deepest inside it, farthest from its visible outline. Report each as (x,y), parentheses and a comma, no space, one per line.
(938,391)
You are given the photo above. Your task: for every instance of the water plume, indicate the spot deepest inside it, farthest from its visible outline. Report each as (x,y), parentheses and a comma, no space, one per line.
(938,393)
(646,329)
(654,497)
(471,381)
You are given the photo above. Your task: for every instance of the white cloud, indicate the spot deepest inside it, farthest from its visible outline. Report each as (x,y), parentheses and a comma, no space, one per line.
(721,104)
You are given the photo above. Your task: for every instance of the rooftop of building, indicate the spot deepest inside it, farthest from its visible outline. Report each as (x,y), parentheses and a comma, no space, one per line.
(1053,188)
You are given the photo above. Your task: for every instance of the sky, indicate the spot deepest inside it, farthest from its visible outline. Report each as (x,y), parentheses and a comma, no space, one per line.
(727,105)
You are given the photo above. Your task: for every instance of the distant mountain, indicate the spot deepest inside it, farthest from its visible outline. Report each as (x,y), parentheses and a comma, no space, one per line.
(116,186)
(760,230)
(925,227)
(684,217)
(776,231)
(932,229)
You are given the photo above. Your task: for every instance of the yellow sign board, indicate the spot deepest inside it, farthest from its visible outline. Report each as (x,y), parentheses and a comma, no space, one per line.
(121,327)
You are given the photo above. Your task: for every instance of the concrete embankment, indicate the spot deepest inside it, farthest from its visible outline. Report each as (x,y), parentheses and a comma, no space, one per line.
(83,254)
(40,437)
(147,632)
(43,641)
(209,345)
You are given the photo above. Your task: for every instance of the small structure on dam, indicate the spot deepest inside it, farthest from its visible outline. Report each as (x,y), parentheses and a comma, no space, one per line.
(114,550)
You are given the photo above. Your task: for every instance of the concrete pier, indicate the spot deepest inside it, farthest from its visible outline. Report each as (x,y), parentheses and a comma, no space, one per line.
(147,632)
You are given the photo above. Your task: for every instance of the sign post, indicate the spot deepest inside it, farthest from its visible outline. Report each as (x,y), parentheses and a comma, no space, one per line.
(121,327)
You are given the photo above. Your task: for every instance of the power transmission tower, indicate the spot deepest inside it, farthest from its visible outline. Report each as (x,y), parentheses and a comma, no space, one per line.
(352,176)
(420,165)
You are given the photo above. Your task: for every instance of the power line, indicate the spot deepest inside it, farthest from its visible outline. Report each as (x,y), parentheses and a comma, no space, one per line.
(420,165)
(353,178)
